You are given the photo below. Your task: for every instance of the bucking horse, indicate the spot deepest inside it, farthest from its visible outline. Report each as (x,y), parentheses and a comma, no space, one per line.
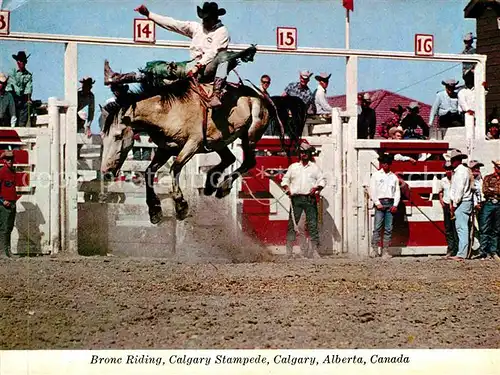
(175,115)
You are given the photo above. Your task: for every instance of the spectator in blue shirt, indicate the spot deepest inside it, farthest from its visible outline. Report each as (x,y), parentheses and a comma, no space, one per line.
(446,106)
(301,90)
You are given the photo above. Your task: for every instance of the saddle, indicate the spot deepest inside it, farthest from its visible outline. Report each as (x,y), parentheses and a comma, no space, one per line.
(159,73)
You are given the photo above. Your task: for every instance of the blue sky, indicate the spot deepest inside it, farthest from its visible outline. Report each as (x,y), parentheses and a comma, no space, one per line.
(375,25)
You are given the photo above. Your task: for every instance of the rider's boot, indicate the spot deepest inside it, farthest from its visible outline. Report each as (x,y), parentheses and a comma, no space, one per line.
(215,100)
(111,77)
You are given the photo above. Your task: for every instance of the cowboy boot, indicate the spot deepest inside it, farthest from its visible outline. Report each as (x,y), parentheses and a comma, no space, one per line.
(111,77)
(215,100)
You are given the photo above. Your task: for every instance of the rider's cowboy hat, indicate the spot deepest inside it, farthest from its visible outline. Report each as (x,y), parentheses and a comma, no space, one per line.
(396,129)
(21,56)
(87,79)
(323,77)
(210,10)
(450,83)
(3,77)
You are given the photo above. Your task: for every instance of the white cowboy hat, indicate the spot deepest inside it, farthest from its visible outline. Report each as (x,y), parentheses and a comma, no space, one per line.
(323,77)
(457,154)
(396,129)
(306,74)
(475,163)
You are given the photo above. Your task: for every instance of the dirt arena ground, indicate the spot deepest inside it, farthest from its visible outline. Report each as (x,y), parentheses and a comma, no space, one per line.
(109,302)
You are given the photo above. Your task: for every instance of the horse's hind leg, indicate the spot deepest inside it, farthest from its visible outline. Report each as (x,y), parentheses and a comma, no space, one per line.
(226,159)
(187,152)
(248,163)
(160,158)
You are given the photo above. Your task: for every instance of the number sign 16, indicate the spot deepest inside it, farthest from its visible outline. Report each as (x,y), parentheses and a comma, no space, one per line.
(286,38)
(4,22)
(144,31)
(424,45)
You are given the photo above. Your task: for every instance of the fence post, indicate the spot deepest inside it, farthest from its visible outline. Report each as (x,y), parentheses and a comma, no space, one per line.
(55,168)
(70,149)
(338,171)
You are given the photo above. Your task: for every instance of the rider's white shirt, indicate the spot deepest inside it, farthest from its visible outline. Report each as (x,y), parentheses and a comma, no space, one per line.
(204,44)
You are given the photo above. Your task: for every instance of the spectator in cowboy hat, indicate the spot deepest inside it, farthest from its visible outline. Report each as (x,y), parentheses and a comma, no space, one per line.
(468,68)
(493,130)
(322,107)
(385,192)
(265,82)
(303,182)
(413,121)
(7,104)
(489,219)
(367,119)
(396,134)
(21,87)
(395,120)
(461,201)
(444,199)
(86,106)
(446,106)
(301,90)
(8,199)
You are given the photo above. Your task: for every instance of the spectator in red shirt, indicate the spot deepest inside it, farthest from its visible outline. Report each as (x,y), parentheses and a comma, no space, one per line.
(8,198)
(394,121)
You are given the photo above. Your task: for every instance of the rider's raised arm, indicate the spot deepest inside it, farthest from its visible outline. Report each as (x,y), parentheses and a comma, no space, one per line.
(220,42)
(185,28)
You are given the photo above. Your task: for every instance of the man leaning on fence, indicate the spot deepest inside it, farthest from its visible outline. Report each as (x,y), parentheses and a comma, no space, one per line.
(303,182)
(8,198)
(385,193)
(21,87)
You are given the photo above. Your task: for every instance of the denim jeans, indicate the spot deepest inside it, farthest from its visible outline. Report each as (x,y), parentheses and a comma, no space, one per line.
(307,204)
(462,217)
(450,230)
(383,219)
(489,228)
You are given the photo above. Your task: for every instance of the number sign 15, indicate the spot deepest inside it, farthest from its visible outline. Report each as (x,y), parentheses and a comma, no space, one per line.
(286,38)
(4,22)
(144,31)
(424,45)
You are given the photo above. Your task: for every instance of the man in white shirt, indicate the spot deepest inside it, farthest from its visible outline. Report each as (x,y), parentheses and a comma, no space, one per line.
(208,39)
(386,194)
(467,98)
(303,182)
(444,199)
(461,201)
(323,108)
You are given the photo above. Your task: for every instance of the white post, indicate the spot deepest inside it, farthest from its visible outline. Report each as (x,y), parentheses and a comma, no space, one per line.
(55,168)
(480,92)
(338,171)
(71,163)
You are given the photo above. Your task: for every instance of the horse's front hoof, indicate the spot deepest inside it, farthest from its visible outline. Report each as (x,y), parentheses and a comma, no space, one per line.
(222,192)
(156,218)
(181,209)
(209,190)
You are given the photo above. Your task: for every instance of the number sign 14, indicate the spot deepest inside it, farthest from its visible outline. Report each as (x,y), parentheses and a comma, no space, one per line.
(144,31)
(424,45)
(286,38)
(4,22)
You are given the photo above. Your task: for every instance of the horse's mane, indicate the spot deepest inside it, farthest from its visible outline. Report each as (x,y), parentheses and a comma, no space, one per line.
(178,90)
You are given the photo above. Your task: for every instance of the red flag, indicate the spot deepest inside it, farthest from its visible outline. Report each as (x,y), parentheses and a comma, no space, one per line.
(348,4)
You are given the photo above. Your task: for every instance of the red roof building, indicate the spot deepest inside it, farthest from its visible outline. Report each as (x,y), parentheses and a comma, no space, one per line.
(382,102)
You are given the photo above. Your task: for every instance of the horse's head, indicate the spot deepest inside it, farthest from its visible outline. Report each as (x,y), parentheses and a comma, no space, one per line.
(117,141)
